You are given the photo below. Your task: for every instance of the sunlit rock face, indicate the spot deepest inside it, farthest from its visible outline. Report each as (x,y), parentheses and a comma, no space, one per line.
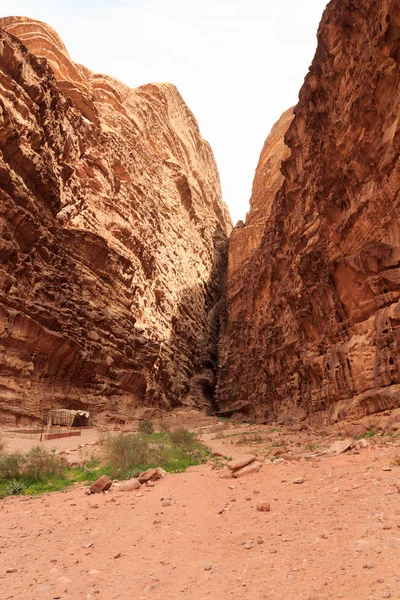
(113,238)
(313,312)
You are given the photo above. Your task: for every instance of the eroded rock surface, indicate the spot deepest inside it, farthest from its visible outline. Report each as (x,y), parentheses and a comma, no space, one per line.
(313,313)
(113,237)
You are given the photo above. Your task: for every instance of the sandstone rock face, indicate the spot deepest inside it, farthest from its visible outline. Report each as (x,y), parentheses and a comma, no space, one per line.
(313,316)
(113,238)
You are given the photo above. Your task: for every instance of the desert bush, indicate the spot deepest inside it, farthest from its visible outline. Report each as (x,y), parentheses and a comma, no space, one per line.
(15,487)
(125,453)
(165,427)
(42,464)
(11,465)
(184,439)
(146,426)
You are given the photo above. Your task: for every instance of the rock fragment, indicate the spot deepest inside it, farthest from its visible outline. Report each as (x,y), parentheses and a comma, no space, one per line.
(253,467)
(238,463)
(101,485)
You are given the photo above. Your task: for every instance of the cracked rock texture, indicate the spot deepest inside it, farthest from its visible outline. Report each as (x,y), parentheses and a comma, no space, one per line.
(313,312)
(113,238)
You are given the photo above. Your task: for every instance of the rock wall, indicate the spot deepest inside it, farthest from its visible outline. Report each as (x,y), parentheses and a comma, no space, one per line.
(113,238)
(313,313)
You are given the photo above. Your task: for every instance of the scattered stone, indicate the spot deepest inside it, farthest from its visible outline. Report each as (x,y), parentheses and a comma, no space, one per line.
(256,492)
(298,480)
(101,485)
(238,463)
(207,567)
(388,526)
(386,594)
(248,498)
(248,545)
(361,444)
(12,570)
(129,485)
(152,475)
(166,503)
(397,484)
(117,555)
(369,566)
(341,446)
(260,540)
(254,467)
(263,506)
(386,468)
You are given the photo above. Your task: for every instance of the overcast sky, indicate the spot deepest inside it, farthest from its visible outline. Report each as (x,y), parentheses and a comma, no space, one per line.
(238,63)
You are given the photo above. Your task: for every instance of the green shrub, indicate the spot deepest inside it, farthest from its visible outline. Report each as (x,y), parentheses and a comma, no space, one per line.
(184,439)
(11,465)
(15,487)
(146,426)
(128,453)
(42,464)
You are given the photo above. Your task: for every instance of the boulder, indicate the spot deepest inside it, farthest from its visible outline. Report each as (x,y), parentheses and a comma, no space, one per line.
(101,485)
(253,467)
(152,475)
(129,485)
(238,463)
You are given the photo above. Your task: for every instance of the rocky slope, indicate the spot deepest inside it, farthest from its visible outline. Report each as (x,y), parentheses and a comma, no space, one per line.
(113,237)
(313,314)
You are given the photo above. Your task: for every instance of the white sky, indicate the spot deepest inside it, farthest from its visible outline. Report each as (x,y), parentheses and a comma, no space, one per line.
(238,63)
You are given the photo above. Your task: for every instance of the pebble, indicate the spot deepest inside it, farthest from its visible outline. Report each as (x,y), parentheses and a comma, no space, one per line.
(386,594)
(387,468)
(207,567)
(248,545)
(166,503)
(263,506)
(260,540)
(298,480)
(369,566)
(12,570)
(117,555)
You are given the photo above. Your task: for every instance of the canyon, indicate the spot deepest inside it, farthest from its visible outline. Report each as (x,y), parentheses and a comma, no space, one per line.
(119,290)
(312,316)
(113,239)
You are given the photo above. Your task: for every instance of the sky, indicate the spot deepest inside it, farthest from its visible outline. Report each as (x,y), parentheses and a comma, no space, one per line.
(239,64)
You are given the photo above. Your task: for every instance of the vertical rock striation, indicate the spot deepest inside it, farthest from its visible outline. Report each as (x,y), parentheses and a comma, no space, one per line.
(113,237)
(313,309)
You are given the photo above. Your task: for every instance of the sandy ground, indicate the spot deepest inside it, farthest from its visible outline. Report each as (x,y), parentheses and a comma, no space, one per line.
(337,535)
(88,436)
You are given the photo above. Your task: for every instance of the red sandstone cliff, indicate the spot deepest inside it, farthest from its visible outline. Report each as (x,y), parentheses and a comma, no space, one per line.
(313,314)
(113,237)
